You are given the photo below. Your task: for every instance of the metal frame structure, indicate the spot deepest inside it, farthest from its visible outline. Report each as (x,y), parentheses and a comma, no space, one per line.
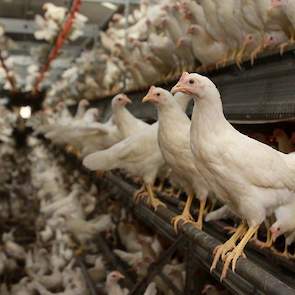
(260,273)
(257,94)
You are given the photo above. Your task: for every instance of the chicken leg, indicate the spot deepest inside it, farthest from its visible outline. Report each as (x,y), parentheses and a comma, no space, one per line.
(185,216)
(139,194)
(254,53)
(210,207)
(267,243)
(152,200)
(221,250)
(199,223)
(234,255)
(285,253)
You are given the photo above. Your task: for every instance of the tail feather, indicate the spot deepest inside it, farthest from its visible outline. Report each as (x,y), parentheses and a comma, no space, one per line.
(102,160)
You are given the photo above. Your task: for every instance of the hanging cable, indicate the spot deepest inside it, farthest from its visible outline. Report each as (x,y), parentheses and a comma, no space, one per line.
(59,41)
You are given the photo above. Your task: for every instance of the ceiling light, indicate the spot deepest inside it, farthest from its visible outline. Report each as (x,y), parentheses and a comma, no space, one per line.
(109,5)
(25,112)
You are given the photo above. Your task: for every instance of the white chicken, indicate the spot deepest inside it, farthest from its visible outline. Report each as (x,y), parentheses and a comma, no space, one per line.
(56,13)
(139,154)
(178,156)
(125,121)
(112,286)
(288,7)
(207,50)
(284,225)
(222,154)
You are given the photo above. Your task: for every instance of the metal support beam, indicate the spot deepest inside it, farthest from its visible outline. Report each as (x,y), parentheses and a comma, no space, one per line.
(28,27)
(119,2)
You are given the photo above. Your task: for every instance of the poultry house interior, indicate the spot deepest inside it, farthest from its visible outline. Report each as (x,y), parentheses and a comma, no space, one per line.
(147,147)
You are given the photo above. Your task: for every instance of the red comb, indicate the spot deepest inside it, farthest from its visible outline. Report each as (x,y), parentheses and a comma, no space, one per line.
(183,76)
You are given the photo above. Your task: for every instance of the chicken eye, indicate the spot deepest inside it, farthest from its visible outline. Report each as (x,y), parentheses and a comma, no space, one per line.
(279,228)
(158,94)
(191,81)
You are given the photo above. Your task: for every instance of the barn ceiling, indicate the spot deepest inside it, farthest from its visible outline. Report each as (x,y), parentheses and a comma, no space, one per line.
(17,16)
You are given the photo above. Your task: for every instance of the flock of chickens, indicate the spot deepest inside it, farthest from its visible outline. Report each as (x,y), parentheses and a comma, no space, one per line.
(165,38)
(48,27)
(49,216)
(206,157)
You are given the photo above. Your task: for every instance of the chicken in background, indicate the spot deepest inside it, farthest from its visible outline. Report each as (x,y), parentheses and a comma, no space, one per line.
(285,144)
(171,37)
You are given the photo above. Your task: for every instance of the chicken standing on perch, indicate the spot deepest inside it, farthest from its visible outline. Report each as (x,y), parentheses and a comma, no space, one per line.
(175,147)
(229,162)
(139,154)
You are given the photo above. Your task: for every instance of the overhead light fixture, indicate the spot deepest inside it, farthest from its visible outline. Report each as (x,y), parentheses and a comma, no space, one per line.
(109,5)
(25,112)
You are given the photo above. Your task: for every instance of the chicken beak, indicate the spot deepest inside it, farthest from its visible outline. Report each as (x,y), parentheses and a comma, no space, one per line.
(179,87)
(127,99)
(150,95)
(274,4)
(147,98)
(121,276)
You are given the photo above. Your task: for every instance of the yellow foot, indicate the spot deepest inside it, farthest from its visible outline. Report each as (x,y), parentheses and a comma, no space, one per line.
(139,195)
(99,173)
(198,224)
(263,245)
(185,218)
(232,257)
(220,251)
(155,203)
(239,59)
(282,47)
(283,254)
(79,251)
(221,63)
(230,229)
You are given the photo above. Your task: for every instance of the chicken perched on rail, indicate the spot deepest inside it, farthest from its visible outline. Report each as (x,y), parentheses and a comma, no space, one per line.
(139,154)
(288,7)
(175,147)
(284,225)
(125,121)
(252,183)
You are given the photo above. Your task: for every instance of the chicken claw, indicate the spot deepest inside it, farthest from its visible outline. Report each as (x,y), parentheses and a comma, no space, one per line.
(230,229)
(266,244)
(155,203)
(152,200)
(199,223)
(221,250)
(184,217)
(282,47)
(284,253)
(234,255)
(231,257)
(139,195)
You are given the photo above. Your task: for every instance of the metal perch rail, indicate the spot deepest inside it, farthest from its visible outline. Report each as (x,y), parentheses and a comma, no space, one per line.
(254,275)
